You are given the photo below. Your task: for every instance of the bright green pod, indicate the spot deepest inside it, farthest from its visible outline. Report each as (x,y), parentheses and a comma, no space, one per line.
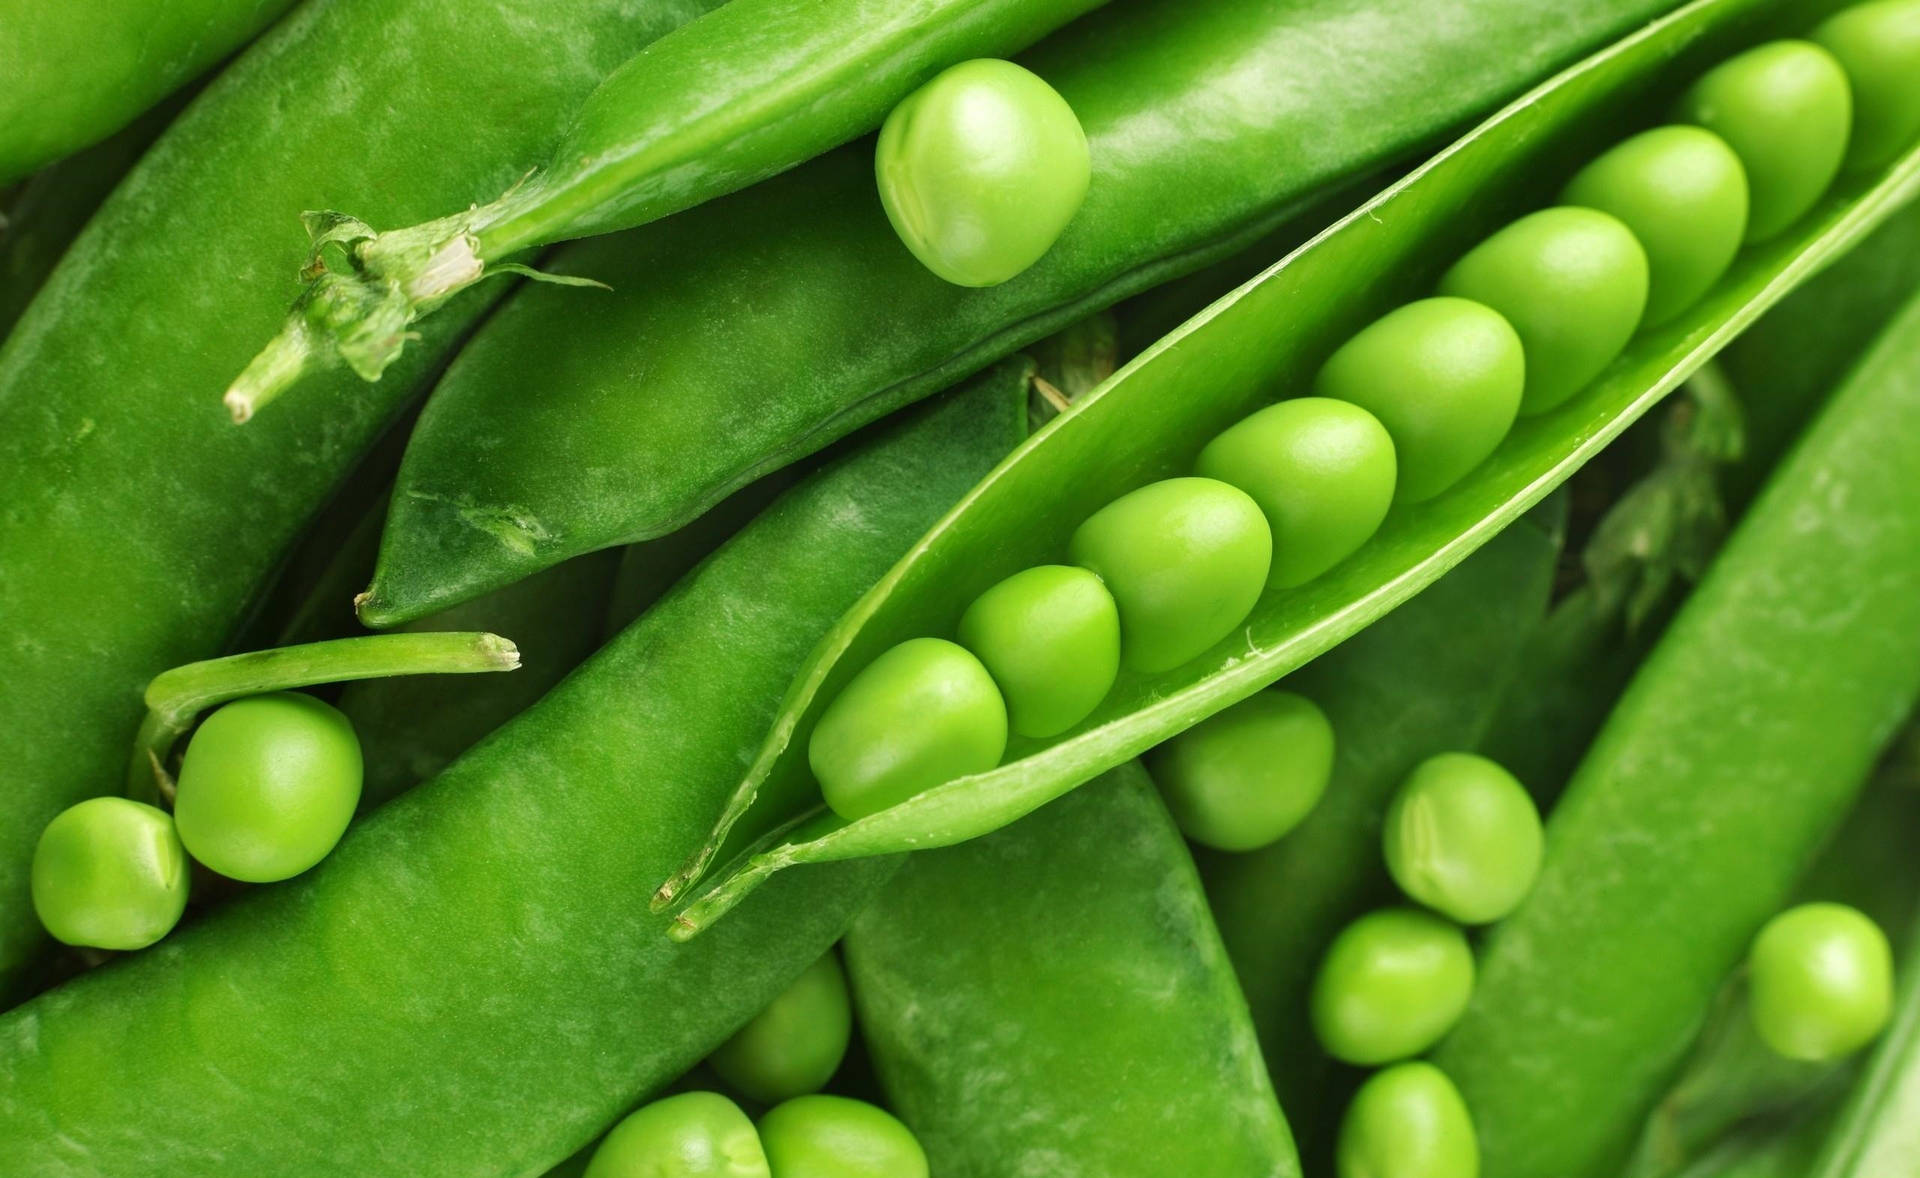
(1408,1121)
(794,1046)
(1245,777)
(1820,979)
(692,1135)
(1184,558)
(1683,193)
(1322,472)
(110,873)
(1050,636)
(1878,45)
(1464,838)
(834,1137)
(1571,281)
(1393,982)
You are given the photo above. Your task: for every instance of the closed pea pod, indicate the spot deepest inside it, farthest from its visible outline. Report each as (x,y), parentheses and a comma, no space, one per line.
(1463,838)
(692,1135)
(1821,979)
(1050,636)
(110,873)
(1878,45)
(794,1046)
(1245,777)
(834,1137)
(1393,982)
(1408,1121)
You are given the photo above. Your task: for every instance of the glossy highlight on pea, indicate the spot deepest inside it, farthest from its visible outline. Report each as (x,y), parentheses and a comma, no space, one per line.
(692,1135)
(836,1137)
(109,873)
(1393,982)
(1463,837)
(1408,1121)
(1821,980)
(1050,637)
(1245,777)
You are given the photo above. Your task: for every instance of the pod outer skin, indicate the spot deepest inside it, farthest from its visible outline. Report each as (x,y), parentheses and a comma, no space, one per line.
(138,519)
(1681,833)
(1053,999)
(471,984)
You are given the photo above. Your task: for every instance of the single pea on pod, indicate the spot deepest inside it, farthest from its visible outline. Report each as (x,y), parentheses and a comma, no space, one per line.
(1322,472)
(1820,981)
(1407,1121)
(1786,109)
(1878,45)
(1571,281)
(1246,776)
(923,713)
(692,1135)
(835,1137)
(1445,377)
(1683,193)
(1185,559)
(1050,636)
(1463,837)
(794,1046)
(981,169)
(109,873)
(1392,983)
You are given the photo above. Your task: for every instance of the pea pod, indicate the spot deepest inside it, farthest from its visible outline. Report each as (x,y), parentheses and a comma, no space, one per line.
(1055,999)
(1149,420)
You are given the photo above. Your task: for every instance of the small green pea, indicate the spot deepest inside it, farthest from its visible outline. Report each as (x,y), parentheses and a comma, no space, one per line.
(1463,837)
(268,786)
(1820,978)
(1444,376)
(1878,44)
(794,1046)
(1050,635)
(1322,472)
(1246,776)
(109,873)
(1185,559)
(692,1135)
(1393,982)
(1571,281)
(1683,193)
(834,1137)
(1786,110)
(923,713)
(981,169)
(1408,1121)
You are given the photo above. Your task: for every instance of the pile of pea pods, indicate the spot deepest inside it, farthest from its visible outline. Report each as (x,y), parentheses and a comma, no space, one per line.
(960,589)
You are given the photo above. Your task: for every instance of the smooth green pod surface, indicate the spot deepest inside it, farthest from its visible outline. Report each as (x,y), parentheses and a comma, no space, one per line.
(110,873)
(1241,779)
(1408,1121)
(1050,636)
(1878,45)
(691,1135)
(794,1046)
(1821,978)
(1392,983)
(1463,838)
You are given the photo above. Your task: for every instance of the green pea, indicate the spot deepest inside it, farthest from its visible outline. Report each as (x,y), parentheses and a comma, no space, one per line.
(1246,776)
(1820,979)
(1878,46)
(1463,837)
(1444,376)
(981,169)
(268,786)
(1786,110)
(1392,983)
(692,1135)
(1184,558)
(1683,193)
(1571,281)
(109,873)
(1408,1121)
(923,713)
(794,1046)
(834,1137)
(1322,472)
(1051,637)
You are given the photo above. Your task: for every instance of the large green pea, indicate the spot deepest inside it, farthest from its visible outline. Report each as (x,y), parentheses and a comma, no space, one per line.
(1050,635)
(1786,110)
(834,1137)
(1571,281)
(1683,193)
(1322,472)
(923,713)
(1185,559)
(794,1046)
(1820,980)
(1878,45)
(109,873)
(1392,983)
(1408,1121)
(692,1135)
(1463,837)
(1444,376)
(1246,776)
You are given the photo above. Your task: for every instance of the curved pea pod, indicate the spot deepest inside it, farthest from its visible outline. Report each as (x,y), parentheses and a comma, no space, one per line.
(469,985)
(1054,999)
(1680,833)
(1151,418)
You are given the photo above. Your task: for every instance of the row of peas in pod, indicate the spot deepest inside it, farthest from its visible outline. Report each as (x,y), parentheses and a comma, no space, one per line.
(1398,414)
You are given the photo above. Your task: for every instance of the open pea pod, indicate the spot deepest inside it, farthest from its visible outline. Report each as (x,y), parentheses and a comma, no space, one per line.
(1262,341)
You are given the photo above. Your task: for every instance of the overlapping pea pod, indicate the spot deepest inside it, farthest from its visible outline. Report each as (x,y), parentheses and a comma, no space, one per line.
(1151,418)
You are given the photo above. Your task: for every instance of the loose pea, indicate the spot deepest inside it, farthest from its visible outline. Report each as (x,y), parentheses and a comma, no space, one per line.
(794,1046)
(1463,837)
(1571,281)
(834,1137)
(109,873)
(1185,559)
(1393,982)
(923,713)
(1408,1121)
(1322,472)
(1683,193)
(981,169)
(1051,637)
(268,786)
(1786,110)
(1821,981)
(1246,776)
(692,1135)
(1878,45)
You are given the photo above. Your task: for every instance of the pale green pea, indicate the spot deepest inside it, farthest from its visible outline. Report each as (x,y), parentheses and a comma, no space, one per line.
(1246,776)
(834,1137)
(1463,837)
(1392,983)
(794,1046)
(1820,980)
(1408,1121)
(1050,636)
(1878,44)
(109,873)
(692,1135)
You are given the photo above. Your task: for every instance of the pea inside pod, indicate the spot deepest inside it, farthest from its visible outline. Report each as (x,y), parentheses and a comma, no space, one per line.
(1050,636)
(835,1137)
(1246,776)
(1463,837)
(1878,45)
(110,873)
(1393,982)
(794,1046)
(1821,981)
(1408,1121)
(692,1135)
